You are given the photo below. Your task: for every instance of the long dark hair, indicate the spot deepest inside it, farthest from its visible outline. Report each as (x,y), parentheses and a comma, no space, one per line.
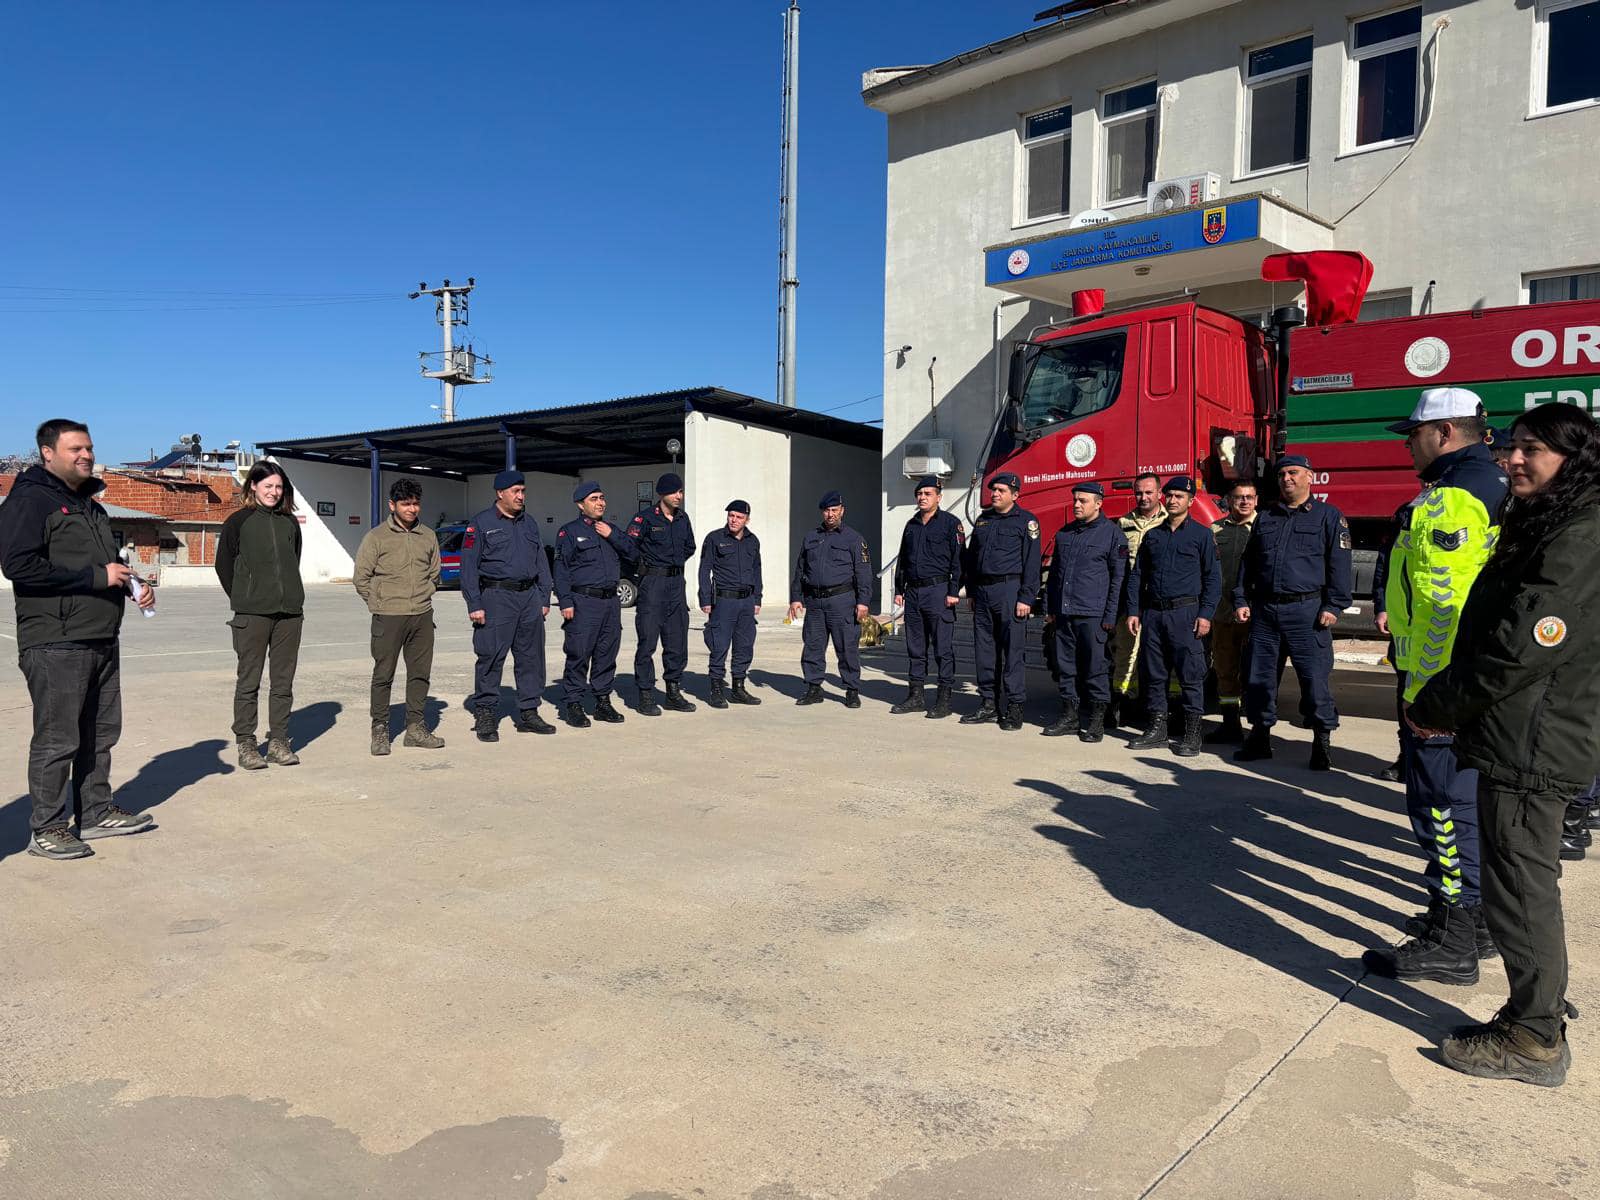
(265,470)
(1568,430)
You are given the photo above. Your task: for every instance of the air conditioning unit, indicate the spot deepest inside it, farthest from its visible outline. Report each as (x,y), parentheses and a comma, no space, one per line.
(1185,191)
(936,457)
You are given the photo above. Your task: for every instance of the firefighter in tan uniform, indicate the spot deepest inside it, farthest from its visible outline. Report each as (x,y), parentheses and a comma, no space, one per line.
(1146,515)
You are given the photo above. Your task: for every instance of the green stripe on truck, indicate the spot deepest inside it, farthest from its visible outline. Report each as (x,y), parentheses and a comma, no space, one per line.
(1361,416)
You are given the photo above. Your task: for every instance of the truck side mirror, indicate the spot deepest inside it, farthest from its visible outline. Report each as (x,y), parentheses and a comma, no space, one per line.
(1014,419)
(1017,379)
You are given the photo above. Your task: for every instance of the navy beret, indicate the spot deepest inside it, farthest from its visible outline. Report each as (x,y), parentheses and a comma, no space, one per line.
(1007,478)
(829,499)
(738,506)
(929,481)
(587,488)
(1179,483)
(1091,487)
(668,484)
(510,477)
(1294,460)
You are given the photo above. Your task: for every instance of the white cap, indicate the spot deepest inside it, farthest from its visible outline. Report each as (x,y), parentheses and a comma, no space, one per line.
(1441,404)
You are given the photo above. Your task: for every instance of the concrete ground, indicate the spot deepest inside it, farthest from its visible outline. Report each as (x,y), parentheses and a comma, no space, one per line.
(769,953)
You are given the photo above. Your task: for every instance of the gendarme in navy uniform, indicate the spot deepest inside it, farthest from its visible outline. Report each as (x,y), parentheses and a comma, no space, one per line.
(589,556)
(1002,573)
(730,596)
(505,581)
(1293,584)
(1173,591)
(833,582)
(664,541)
(1087,568)
(927,584)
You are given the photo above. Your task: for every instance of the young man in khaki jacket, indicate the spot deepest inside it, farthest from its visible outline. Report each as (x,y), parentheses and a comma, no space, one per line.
(397,572)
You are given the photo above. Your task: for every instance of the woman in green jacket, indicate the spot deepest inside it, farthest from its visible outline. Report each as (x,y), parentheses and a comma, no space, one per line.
(258,561)
(1520,694)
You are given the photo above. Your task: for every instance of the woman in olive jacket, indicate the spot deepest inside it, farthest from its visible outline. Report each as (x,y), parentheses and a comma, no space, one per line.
(258,561)
(1520,694)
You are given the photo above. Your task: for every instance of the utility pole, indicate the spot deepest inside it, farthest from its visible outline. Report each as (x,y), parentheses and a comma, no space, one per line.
(788,281)
(457,366)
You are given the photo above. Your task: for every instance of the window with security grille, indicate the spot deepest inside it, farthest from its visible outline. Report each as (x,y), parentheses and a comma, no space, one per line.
(1046,163)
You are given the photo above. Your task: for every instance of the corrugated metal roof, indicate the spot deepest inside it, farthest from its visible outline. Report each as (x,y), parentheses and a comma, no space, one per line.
(117,513)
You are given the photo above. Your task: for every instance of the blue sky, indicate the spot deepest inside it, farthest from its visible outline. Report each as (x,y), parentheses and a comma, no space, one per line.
(191,184)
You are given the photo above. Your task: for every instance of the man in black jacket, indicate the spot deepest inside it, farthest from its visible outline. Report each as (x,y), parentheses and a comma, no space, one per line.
(57,550)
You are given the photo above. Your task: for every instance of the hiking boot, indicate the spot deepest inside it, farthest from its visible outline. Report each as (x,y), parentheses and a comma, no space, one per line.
(250,755)
(1011,719)
(1257,747)
(1156,735)
(941,703)
(1481,935)
(57,841)
(852,698)
(116,823)
(574,715)
(1447,953)
(1095,731)
(1321,743)
(418,736)
(485,723)
(912,703)
(604,712)
(677,701)
(1189,746)
(1064,724)
(1231,731)
(740,696)
(716,699)
(529,721)
(1503,1049)
(647,706)
(813,694)
(279,753)
(983,716)
(380,738)
(1395,772)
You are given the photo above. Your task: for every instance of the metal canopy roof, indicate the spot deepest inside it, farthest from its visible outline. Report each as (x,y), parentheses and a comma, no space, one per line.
(563,441)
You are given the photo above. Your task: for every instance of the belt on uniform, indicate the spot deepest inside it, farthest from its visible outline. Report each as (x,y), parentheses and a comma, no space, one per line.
(1290,597)
(944,579)
(608,592)
(669,572)
(986,580)
(510,585)
(837,589)
(735,593)
(1172,602)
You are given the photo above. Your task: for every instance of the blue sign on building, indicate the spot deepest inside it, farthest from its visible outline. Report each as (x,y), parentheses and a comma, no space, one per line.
(1108,245)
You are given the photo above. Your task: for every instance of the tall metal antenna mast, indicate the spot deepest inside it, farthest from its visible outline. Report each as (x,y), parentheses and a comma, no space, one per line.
(457,366)
(788,281)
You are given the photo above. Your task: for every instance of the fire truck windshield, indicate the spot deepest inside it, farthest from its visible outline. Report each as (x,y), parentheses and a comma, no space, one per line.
(1073,378)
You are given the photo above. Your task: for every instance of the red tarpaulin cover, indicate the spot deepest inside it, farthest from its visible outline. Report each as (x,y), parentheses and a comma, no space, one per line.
(1336,281)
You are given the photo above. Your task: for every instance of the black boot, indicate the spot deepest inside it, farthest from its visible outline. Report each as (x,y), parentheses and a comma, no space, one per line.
(676,701)
(647,703)
(486,723)
(739,695)
(1189,747)
(852,698)
(913,701)
(1591,818)
(1572,831)
(603,710)
(716,699)
(529,721)
(1114,712)
(1064,724)
(983,716)
(1446,953)
(1011,717)
(1231,730)
(813,694)
(1156,735)
(1418,924)
(941,703)
(1481,934)
(1320,759)
(1395,772)
(574,715)
(1095,731)
(1257,746)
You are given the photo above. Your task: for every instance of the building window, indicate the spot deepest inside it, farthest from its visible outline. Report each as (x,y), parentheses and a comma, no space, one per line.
(644,495)
(1277,104)
(1566,54)
(1046,162)
(1577,285)
(1384,53)
(1128,126)
(1381,306)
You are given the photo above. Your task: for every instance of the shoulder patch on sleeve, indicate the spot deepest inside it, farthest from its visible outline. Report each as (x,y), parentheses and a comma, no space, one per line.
(561,533)
(1449,541)
(1033,529)
(1550,632)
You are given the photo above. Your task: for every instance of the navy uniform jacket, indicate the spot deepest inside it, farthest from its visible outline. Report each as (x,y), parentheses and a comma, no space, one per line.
(931,551)
(1086,572)
(829,559)
(660,542)
(1006,544)
(729,562)
(1173,563)
(501,547)
(1297,550)
(585,559)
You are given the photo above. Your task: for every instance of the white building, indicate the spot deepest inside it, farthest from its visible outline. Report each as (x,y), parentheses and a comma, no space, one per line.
(1456,144)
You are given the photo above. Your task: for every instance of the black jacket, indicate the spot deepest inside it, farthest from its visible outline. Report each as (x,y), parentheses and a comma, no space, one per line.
(258,561)
(54,547)
(1523,683)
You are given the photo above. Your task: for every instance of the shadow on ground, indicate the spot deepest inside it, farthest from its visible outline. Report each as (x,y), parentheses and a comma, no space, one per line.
(309,723)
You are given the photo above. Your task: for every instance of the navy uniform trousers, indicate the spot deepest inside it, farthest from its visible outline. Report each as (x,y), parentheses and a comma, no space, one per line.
(1000,641)
(1085,671)
(1448,835)
(931,632)
(1290,628)
(661,614)
(732,623)
(513,622)
(1169,648)
(593,637)
(832,618)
